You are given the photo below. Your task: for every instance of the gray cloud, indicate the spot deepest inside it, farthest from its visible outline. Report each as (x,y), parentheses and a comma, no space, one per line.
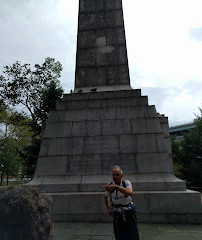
(33,29)
(196,33)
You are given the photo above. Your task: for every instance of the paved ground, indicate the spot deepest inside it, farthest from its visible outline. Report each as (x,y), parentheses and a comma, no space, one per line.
(104,231)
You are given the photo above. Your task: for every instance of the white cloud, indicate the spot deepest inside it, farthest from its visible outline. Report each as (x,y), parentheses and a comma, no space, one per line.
(163,40)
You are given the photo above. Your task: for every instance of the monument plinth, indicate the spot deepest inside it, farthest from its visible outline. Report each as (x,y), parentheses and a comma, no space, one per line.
(103,123)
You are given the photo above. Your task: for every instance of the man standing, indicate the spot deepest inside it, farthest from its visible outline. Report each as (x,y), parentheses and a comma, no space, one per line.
(118,200)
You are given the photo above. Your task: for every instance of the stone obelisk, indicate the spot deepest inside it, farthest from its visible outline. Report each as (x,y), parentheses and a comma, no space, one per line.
(105,123)
(101,60)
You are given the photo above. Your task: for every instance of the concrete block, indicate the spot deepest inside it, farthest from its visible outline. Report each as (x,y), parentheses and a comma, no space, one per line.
(174,202)
(108,113)
(91,5)
(79,77)
(65,146)
(82,203)
(122,55)
(146,125)
(153,162)
(84,164)
(113,4)
(86,76)
(106,55)
(112,75)
(101,145)
(56,166)
(116,127)
(91,21)
(124,74)
(143,101)
(76,105)
(160,142)
(108,161)
(125,161)
(165,129)
(150,111)
(101,76)
(93,103)
(116,36)
(64,129)
(129,112)
(114,18)
(79,129)
(167,142)
(119,18)
(195,218)
(168,218)
(127,144)
(109,102)
(100,20)
(44,147)
(82,22)
(86,39)
(94,114)
(60,105)
(142,201)
(51,130)
(86,57)
(53,116)
(73,115)
(146,143)
(93,128)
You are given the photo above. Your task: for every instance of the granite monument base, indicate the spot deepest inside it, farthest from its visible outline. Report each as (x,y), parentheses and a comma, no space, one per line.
(87,135)
(153,207)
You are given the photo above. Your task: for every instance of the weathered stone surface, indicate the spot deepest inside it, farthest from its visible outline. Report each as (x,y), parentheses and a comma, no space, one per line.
(101,43)
(153,162)
(84,164)
(147,213)
(50,166)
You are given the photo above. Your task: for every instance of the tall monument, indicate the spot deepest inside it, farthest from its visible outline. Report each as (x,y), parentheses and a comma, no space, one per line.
(103,123)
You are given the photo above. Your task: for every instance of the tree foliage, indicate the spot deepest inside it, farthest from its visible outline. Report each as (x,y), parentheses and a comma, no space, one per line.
(33,93)
(14,136)
(35,90)
(187,155)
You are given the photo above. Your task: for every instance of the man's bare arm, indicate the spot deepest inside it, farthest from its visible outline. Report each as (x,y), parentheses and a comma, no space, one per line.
(126,191)
(107,203)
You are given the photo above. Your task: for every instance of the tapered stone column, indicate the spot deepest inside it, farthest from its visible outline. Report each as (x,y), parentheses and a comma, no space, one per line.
(101,59)
(106,123)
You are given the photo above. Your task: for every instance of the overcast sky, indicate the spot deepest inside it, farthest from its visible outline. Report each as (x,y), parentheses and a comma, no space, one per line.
(164,43)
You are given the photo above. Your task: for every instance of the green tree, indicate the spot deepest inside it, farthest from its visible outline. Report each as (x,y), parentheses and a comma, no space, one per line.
(187,155)
(10,163)
(36,93)
(34,90)
(15,134)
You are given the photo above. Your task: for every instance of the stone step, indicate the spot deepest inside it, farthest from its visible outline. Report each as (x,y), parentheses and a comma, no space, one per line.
(102,95)
(102,127)
(153,206)
(103,113)
(95,183)
(102,103)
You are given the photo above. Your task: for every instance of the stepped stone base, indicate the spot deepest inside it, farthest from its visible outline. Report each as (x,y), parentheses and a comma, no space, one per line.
(87,135)
(153,207)
(95,183)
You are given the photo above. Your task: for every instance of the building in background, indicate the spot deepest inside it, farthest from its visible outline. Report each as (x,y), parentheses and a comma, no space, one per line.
(179,130)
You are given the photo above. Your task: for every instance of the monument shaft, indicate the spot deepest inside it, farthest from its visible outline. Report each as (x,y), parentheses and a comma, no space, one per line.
(101,46)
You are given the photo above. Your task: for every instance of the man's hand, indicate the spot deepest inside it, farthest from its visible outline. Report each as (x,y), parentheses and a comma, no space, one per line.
(110,211)
(109,188)
(107,203)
